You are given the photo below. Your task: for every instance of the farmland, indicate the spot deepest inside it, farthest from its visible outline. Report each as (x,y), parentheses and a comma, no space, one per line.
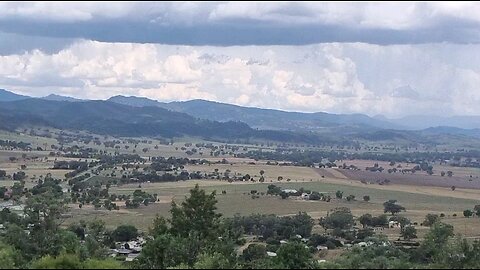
(100,175)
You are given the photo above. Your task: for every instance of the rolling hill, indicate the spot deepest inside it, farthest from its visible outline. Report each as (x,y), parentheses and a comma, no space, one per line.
(135,116)
(263,118)
(10,96)
(104,117)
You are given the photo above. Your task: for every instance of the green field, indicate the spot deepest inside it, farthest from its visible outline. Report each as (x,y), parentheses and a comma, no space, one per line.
(236,201)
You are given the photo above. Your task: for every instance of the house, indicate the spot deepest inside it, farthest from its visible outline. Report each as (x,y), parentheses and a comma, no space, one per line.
(305,196)
(290,191)
(283,242)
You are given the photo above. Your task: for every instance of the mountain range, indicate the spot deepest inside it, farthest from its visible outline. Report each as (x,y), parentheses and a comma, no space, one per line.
(138,116)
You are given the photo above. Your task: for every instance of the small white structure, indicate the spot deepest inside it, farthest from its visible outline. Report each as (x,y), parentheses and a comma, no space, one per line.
(271,254)
(131,257)
(290,191)
(361,244)
(305,196)
(393,224)
(320,248)
(283,242)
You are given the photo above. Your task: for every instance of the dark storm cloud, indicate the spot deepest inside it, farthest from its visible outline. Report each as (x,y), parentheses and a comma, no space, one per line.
(226,24)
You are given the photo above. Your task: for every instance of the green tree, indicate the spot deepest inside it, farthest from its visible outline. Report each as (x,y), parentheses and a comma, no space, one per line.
(196,216)
(339,218)
(294,255)
(44,210)
(435,242)
(164,251)
(430,219)
(193,229)
(366,198)
(160,226)
(254,252)
(70,242)
(366,220)
(477,210)
(467,213)
(392,207)
(64,261)
(403,221)
(214,261)
(409,232)
(9,257)
(124,233)
(16,237)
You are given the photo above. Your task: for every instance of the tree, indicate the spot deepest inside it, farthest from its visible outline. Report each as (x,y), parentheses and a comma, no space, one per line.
(159,227)
(164,251)
(19,176)
(339,218)
(254,252)
(366,198)
(477,210)
(365,220)
(3,173)
(339,194)
(194,227)
(213,261)
(467,213)
(64,261)
(124,233)
(70,242)
(315,196)
(392,207)
(197,214)
(435,241)
(431,219)
(294,256)
(409,232)
(44,210)
(403,221)
(9,257)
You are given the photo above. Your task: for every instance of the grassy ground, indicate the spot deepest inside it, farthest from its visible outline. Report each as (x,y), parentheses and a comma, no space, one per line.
(236,201)
(418,200)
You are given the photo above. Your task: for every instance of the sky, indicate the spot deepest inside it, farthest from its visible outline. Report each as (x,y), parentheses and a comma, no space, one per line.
(393,59)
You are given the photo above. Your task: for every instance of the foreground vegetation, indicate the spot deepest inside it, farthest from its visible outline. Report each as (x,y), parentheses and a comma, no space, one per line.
(196,236)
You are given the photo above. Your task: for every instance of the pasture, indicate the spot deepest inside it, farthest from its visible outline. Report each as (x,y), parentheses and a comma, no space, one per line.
(238,200)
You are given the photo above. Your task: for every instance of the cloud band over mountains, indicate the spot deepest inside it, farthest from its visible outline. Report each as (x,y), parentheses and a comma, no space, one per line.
(374,58)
